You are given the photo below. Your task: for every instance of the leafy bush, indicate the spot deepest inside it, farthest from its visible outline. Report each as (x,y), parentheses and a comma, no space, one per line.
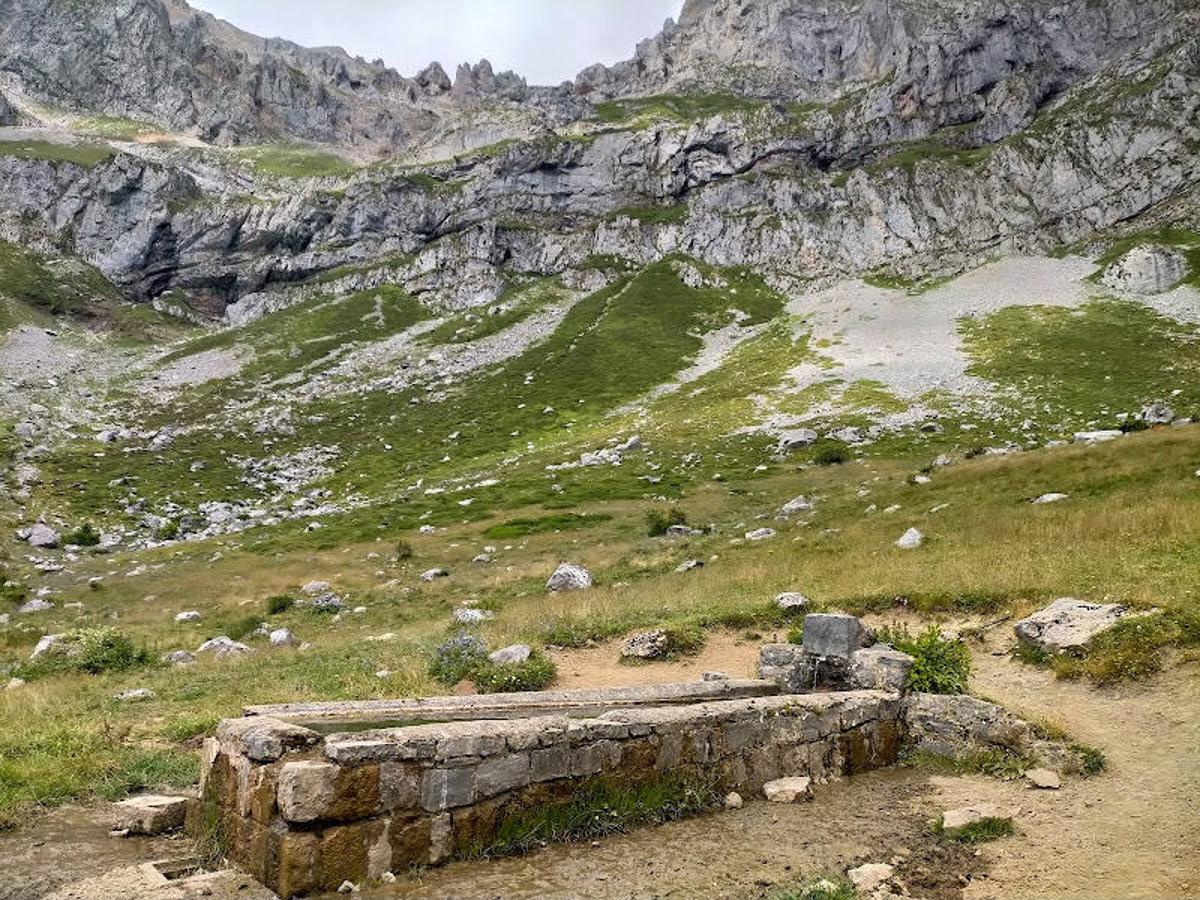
(535,674)
(92,650)
(939,666)
(83,536)
(169,531)
(832,455)
(1091,760)
(458,658)
(280,603)
(659,520)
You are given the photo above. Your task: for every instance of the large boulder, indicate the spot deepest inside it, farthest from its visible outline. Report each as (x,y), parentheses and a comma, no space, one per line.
(43,537)
(1146,270)
(1068,624)
(833,634)
(880,668)
(569,577)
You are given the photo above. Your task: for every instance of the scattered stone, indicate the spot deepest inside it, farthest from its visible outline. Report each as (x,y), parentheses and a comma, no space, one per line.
(150,815)
(1044,779)
(870,877)
(511,656)
(347,887)
(14,683)
(796,439)
(179,658)
(954,821)
(1049,498)
(43,537)
(714,676)
(317,589)
(647,645)
(733,800)
(35,605)
(689,566)
(910,540)
(388,878)
(434,575)
(282,637)
(1068,624)
(683,531)
(833,634)
(760,534)
(788,790)
(223,646)
(1097,437)
(569,577)
(189,616)
(466,616)
(791,601)
(136,695)
(1157,413)
(53,645)
(798,505)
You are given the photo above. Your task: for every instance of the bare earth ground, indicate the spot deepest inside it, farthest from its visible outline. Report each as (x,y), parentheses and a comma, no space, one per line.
(1130,833)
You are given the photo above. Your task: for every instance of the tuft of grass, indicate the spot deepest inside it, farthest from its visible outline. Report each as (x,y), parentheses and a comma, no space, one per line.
(85,535)
(825,887)
(939,666)
(659,520)
(1092,760)
(535,674)
(599,807)
(988,829)
(279,603)
(831,454)
(973,761)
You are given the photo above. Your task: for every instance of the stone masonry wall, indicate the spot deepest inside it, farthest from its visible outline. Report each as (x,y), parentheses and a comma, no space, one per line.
(302,813)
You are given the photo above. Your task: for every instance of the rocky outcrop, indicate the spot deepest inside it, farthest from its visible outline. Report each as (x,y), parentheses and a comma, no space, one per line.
(1146,270)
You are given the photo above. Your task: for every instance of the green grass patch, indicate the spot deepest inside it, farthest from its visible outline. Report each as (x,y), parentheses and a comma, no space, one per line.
(599,807)
(1132,650)
(989,829)
(969,761)
(516,528)
(827,887)
(92,652)
(85,155)
(296,162)
(681,108)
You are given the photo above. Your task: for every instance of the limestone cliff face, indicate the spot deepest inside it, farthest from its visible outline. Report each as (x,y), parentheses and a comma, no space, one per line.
(1006,131)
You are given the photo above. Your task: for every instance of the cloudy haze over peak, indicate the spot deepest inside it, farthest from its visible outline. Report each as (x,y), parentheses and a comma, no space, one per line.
(546,41)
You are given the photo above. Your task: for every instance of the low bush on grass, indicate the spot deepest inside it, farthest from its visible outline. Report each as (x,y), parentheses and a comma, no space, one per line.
(832,455)
(1092,761)
(989,829)
(84,536)
(659,521)
(939,666)
(280,603)
(600,807)
(465,657)
(91,651)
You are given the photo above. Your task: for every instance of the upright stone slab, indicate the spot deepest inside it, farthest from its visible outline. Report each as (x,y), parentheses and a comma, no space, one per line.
(827,634)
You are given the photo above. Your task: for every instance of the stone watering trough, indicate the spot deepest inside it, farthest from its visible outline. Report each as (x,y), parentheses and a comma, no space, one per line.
(308,796)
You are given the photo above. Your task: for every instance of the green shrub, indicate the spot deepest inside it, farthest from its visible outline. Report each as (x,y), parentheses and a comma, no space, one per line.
(83,536)
(280,603)
(658,521)
(832,455)
(95,650)
(535,674)
(1092,761)
(939,666)
(169,531)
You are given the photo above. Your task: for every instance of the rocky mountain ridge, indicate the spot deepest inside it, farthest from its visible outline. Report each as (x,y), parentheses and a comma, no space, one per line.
(988,128)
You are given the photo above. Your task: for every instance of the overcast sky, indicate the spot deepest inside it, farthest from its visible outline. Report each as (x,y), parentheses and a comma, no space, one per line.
(547,41)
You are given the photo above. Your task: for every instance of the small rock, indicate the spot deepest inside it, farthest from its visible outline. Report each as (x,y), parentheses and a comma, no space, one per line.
(910,540)
(1049,498)
(955,820)
(871,876)
(733,800)
(467,616)
(1097,437)
(714,676)
(14,683)
(1045,779)
(179,658)
(689,566)
(34,606)
(150,814)
(569,577)
(387,878)
(788,790)
(434,575)
(222,647)
(760,534)
(683,531)
(43,537)
(347,887)
(282,637)
(136,695)
(511,656)
(1157,413)
(647,645)
(189,616)
(799,504)
(791,601)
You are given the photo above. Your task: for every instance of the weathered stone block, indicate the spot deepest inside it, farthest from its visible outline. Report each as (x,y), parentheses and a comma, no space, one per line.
(311,791)
(441,839)
(342,855)
(502,773)
(298,854)
(443,789)
(150,814)
(411,842)
(399,786)
(880,668)
(263,739)
(550,763)
(837,635)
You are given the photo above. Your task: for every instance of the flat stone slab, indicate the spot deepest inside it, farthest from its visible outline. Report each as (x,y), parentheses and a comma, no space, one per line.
(788,790)
(579,703)
(1044,779)
(1068,624)
(150,814)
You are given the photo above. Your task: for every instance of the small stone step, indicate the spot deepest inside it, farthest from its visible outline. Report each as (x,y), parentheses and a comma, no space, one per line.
(150,814)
